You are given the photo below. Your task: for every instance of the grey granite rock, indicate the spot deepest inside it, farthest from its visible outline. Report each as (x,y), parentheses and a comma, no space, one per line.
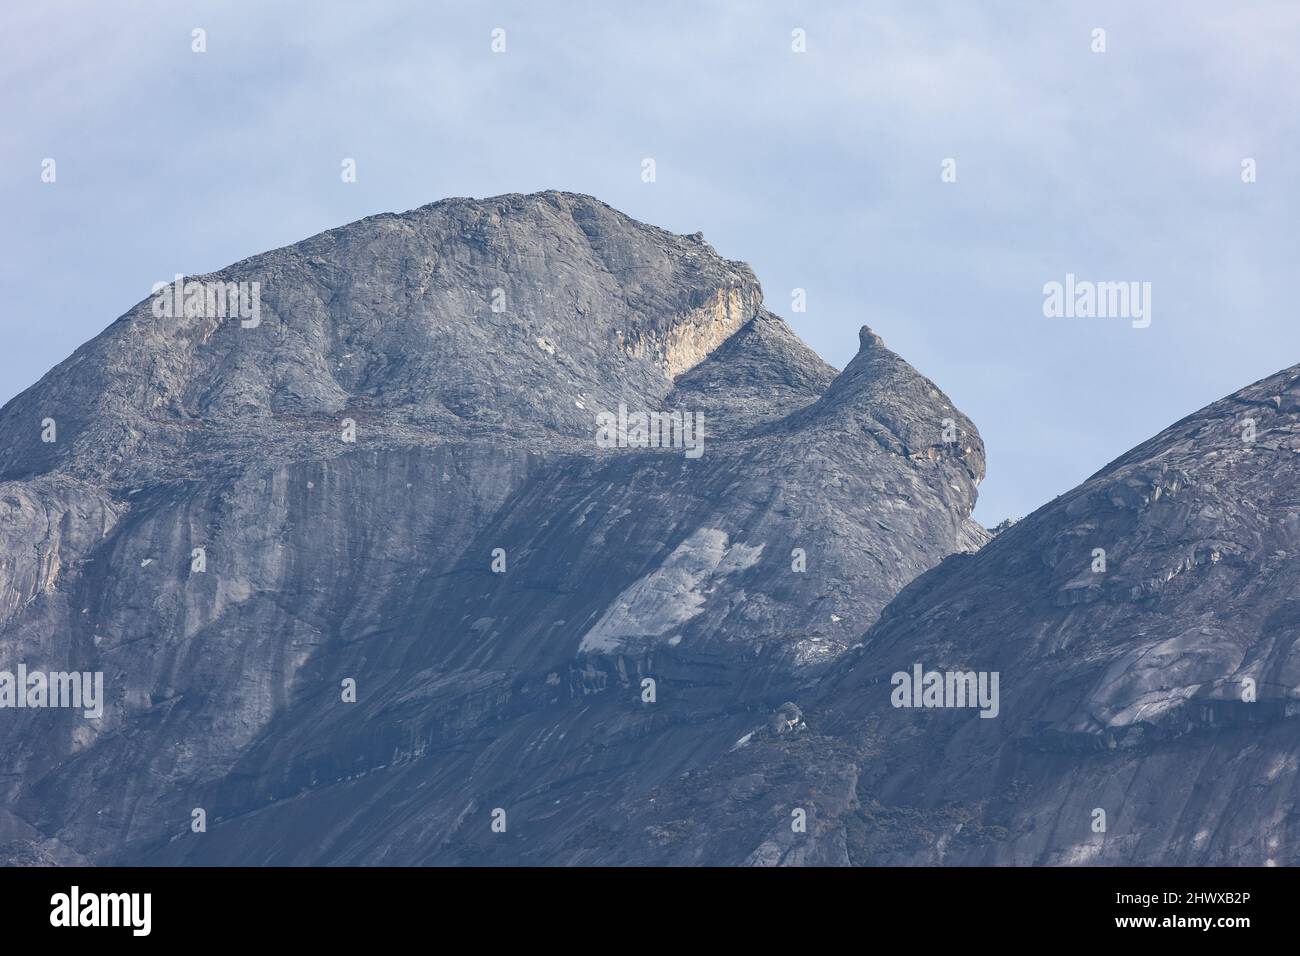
(1148,701)
(471,344)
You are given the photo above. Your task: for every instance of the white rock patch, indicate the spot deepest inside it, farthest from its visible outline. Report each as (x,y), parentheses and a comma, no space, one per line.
(672,594)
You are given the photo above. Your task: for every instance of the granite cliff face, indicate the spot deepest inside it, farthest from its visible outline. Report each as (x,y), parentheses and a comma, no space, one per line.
(392,477)
(1158,685)
(1144,627)
(394,480)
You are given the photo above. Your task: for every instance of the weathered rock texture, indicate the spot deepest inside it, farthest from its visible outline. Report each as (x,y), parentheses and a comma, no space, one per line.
(475,430)
(1161,688)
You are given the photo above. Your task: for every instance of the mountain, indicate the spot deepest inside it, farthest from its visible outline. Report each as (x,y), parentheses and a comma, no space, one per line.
(1145,629)
(396,480)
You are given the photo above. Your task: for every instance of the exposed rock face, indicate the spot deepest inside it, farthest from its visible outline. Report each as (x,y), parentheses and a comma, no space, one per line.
(201,533)
(1156,683)
(391,321)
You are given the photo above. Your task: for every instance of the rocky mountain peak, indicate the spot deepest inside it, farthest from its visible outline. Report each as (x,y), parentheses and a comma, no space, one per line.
(868,339)
(391,476)
(517,314)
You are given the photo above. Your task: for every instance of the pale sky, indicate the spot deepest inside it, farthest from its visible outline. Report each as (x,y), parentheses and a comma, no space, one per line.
(821,169)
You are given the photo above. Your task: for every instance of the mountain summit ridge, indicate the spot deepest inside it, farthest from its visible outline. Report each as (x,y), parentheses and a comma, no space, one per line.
(414,313)
(637,655)
(391,476)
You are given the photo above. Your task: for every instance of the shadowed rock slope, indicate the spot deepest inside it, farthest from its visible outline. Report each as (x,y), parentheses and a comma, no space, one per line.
(470,344)
(1159,688)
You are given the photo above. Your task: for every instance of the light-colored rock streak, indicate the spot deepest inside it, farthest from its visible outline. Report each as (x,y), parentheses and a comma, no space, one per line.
(666,598)
(696,334)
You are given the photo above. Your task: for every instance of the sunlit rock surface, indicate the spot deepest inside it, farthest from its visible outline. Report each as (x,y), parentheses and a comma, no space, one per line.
(470,346)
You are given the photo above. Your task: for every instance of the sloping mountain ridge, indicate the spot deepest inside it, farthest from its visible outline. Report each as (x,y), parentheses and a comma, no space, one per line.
(1145,631)
(729,580)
